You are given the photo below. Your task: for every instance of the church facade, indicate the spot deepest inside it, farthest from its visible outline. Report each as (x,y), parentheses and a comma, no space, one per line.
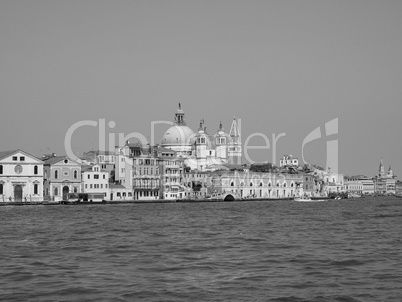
(200,150)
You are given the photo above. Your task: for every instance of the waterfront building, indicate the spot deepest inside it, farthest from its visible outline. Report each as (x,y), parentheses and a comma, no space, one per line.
(354,185)
(197,184)
(246,184)
(202,151)
(311,185)
(384,184)
(398,188)
(21,176)
(124,166)
(95,180)
(171,170)
(367,184)
(150,172)
(146,176)
(61,176)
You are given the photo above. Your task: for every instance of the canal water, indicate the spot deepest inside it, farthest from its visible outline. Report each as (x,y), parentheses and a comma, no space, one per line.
(347,250)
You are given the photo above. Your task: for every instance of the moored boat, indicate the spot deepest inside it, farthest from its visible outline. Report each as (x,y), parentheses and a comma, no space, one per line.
(306,199)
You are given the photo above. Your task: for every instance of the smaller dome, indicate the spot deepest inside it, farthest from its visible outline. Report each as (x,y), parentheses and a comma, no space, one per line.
(177,135)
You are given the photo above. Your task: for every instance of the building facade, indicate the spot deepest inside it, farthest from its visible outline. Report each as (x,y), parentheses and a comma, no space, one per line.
(353,185)
(95,180)
(61,176)
(384,184)
(21,177)
(245,184)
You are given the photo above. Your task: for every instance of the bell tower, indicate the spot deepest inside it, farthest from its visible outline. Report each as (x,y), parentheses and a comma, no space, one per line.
(381,169)
(235,145)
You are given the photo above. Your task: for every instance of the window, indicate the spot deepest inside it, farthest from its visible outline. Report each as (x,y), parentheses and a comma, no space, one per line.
(35,188)
(86,186)
(66,161)
(56,175)
(105,186)
(75,174)
(56,191)
(1,188)
(104,176)
(75,189)
(22,158)
(15,158)
(101,186)
(1,169)
(90,186)
(36,170)
(96,176)
(89,176)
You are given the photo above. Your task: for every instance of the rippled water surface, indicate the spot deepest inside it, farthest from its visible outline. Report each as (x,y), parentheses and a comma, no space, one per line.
(348,250)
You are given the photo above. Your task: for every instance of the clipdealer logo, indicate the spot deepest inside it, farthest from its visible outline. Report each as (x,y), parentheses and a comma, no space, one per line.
(331,129)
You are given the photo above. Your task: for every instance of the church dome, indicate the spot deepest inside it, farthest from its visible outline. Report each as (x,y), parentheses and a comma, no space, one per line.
(177,135)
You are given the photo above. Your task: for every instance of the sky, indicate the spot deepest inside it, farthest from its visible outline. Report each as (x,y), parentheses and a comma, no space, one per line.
(285,67)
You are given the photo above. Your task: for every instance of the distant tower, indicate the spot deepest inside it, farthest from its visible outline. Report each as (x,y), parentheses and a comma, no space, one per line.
(235,146)
(201,146)
(221,140)
(381,169)
(390,173)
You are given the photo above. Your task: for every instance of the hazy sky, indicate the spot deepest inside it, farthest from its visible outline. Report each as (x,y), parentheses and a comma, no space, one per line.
(281,66)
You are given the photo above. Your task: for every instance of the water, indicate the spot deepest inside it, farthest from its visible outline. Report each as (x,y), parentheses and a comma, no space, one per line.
(348,250)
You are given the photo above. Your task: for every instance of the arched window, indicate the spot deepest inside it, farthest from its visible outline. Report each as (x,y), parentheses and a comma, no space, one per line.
(260,184)
(292,184)
(284,184)
(36,188)
(75,174)
(269,184)
(251,184)
(36,170)
(56,175)
(232,184)
(1,188)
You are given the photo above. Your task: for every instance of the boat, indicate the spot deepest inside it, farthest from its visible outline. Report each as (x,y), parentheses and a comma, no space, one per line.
(306,199)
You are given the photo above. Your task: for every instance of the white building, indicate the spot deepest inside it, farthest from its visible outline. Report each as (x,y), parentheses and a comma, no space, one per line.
(354,185)
(21,177)
(95,180)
